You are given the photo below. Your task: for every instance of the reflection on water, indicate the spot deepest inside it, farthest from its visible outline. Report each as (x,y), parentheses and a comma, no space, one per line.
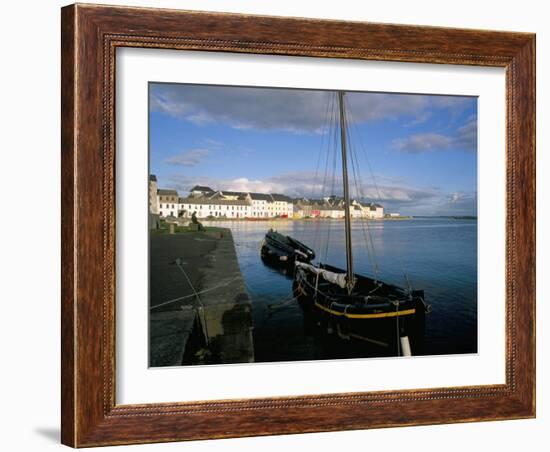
(438,255)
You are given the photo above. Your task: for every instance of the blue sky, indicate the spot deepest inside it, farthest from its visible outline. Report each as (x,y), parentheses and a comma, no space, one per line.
(416,154)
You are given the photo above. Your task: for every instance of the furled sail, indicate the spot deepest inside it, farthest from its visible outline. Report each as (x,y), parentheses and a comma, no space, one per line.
(335,278)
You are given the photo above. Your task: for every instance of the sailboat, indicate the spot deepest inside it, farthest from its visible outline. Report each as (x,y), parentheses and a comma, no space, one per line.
(357,306)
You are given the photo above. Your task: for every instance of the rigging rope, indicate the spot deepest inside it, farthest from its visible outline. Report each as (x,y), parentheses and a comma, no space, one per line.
(327,121)
(334,166)
(329,181)
(369,242)
(364,149)
(332,186)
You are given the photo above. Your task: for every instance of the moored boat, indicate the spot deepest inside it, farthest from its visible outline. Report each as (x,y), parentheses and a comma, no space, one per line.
(376,312)
(281,250)
(355,306)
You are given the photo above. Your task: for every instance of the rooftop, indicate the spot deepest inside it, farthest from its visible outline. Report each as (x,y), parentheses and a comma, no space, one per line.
(279,197)
(201,188)
(233,193)
(214,202)
(260,196)
(166,192)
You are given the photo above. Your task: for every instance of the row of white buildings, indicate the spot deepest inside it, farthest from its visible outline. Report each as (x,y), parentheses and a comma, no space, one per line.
(206,202)
(333,207)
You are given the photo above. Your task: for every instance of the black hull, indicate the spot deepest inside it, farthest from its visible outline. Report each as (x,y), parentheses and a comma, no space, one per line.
(380,320)
(283,251)
(273,257)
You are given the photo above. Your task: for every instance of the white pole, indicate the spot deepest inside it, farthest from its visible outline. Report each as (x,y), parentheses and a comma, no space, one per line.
(405,346)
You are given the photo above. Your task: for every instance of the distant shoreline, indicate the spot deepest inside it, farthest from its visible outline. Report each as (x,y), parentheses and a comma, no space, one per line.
(279,219)
(450,217)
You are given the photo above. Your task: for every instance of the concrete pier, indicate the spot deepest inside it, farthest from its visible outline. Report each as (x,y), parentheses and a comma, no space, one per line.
(200,310)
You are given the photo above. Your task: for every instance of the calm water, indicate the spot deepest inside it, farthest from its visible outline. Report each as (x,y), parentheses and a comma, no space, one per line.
(438,255)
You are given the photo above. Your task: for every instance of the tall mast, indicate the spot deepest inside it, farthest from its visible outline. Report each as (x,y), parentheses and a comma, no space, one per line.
(343,137)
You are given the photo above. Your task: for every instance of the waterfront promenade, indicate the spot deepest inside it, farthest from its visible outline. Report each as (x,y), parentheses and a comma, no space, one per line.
(200,311)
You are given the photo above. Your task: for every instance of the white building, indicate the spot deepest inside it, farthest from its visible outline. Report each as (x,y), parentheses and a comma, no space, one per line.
(328,211)
(357,211)
(333,207)
(373,211)
(168,202)
(282,206)
(259,204)
(214,207)
(249,205)
(271,205)
(206,202)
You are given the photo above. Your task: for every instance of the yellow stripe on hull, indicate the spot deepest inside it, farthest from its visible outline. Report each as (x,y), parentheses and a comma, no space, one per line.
(379,315)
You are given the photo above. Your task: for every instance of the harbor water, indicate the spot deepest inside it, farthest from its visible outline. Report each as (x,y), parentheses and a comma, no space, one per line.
(438,255)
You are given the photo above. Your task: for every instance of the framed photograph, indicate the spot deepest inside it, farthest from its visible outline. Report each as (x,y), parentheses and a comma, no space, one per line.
(282,225)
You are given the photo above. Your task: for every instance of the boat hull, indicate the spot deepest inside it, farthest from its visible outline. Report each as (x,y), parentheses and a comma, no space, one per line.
(381,320)
(278,250)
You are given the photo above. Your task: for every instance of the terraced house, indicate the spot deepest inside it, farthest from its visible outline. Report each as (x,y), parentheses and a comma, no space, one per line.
(206,202)
(333,207)
(168,202)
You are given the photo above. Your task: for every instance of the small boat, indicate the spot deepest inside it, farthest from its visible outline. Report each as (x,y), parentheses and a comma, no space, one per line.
(281,250)
(356,306)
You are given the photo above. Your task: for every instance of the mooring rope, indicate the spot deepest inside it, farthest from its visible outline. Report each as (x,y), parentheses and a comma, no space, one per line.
(198,298)
(281,304)
(195,294)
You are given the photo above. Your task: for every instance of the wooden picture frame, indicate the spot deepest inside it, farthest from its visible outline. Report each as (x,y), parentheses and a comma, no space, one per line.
(90,36)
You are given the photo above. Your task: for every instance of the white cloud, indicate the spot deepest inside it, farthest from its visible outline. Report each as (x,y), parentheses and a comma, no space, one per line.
(298,111)
(464,139)
(246,185)
(188,158)
(459,203)
(423,142)
(213,143)
(467,135)
(299,184)
(420,119)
